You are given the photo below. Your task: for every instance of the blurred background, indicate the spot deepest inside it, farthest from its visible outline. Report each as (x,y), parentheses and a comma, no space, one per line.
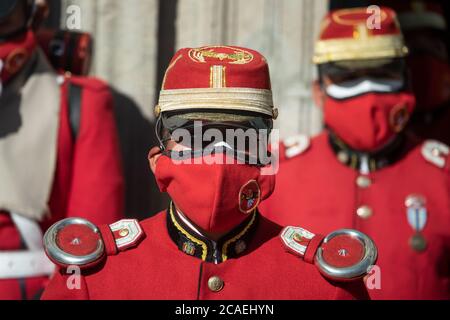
(134,41)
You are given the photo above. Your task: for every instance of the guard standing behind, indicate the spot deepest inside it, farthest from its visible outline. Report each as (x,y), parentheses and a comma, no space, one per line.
(59,154)
(363,171)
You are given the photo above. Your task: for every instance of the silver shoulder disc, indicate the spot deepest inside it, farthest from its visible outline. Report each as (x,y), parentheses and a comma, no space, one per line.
(60,250)
(352,271)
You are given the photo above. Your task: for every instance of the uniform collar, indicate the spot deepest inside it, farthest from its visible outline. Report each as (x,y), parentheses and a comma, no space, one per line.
(367,162)
(192,243)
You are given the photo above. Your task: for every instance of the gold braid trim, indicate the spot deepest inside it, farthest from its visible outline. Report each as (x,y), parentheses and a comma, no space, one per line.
(375,47)
(243,99)
(239,235)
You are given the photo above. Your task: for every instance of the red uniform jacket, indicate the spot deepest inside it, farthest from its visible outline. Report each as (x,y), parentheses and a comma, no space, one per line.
(88,180)
(171,262)
(321,193)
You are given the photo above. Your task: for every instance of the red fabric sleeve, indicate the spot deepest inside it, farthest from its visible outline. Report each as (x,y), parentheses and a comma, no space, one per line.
(97,181)
(352,290)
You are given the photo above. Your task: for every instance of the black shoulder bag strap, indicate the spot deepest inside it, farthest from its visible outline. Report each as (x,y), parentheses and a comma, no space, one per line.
(74,103)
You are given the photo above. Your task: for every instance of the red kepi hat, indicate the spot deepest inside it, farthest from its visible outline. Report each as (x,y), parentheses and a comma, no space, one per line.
(217,78)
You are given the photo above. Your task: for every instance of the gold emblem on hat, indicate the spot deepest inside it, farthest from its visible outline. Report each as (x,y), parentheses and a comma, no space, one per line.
(237,56)
(343,16)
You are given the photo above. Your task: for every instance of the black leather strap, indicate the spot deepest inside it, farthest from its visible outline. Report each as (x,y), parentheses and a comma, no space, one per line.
(74,95)
(71,50)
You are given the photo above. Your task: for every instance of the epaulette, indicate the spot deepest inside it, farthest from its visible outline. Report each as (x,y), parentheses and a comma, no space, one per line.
(78,242)
(342,255)
(436,153)
(295,145)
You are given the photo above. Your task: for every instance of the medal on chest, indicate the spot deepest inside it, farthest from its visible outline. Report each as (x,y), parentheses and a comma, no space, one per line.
(416,213)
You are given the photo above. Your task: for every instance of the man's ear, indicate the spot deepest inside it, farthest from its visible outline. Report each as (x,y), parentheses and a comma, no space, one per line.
(153,157)
(318,94)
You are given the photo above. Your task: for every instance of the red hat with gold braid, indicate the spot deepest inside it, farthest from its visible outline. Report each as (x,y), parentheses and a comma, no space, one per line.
(217,78)
(359,34)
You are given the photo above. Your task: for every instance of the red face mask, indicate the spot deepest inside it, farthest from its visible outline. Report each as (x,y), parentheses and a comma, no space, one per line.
(431,81)
(14,54)
(215,197)
(368,122)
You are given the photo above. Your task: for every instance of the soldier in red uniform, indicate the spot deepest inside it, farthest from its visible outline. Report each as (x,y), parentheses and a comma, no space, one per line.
(59,152)
(426,34)
(211,243)
(363,171)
